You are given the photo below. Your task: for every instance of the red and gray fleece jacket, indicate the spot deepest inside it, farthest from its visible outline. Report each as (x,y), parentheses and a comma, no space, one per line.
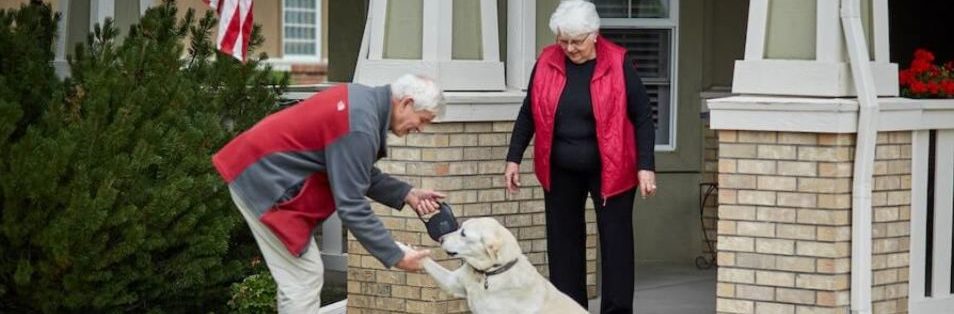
(297,166)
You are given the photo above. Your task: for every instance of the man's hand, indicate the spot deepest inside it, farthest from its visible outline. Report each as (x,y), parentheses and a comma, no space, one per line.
(647,183)
(412,258)
(424,202)
(512,177)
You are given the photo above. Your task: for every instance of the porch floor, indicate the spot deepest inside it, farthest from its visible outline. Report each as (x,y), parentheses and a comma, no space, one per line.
(672,289)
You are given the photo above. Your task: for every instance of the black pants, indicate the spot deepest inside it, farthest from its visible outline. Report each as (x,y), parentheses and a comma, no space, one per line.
(566,239)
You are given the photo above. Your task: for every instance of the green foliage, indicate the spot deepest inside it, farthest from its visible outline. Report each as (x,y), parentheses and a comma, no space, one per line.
(109,199)
(26,40)
(255,294)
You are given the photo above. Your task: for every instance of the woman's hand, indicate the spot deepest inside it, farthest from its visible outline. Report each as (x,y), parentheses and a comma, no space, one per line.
(424,202)
(512,177)
(647,183)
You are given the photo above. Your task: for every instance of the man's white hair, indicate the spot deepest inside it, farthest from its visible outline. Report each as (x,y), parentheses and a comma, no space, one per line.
(574,18)
(424,91)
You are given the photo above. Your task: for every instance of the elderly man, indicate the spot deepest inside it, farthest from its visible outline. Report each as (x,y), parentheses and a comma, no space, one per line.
(296,167)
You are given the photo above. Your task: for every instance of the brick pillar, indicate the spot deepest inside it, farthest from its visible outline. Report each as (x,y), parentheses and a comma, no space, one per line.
(466,160)
(785,222)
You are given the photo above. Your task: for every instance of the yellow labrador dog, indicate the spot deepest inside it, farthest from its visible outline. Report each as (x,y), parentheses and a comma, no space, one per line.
(496,277)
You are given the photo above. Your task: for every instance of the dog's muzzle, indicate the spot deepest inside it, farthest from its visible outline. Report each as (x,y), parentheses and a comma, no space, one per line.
(441,223)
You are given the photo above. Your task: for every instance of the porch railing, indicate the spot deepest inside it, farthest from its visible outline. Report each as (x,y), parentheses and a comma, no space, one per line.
(932,216)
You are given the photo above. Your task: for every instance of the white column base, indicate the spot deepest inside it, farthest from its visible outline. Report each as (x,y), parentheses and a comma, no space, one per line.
(456,75)
(826,115)
(807,78)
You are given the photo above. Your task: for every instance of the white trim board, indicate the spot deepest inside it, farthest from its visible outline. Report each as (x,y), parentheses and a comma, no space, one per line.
(807,78)
(943,214)
(755,31)
(521,42)
(826,115)
(920,141)
(60,64)
(482,106)
(145,5)
(488,31)
(453,75)
(99,10)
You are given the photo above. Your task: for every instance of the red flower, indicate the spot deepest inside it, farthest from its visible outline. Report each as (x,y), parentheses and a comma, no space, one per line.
(918,87)
(934,88)
(924,55)
(925,79)
(948,87)
(905,77)
(919,66)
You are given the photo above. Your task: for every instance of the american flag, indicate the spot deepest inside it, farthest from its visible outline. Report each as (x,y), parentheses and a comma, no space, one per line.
(235,25)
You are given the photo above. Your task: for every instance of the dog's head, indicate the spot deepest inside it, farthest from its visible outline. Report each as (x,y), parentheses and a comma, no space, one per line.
(482,243)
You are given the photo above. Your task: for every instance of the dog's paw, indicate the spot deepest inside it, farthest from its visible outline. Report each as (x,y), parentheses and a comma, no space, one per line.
(404,247)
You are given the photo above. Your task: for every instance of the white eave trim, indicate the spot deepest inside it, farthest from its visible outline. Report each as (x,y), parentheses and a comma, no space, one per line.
(826,115)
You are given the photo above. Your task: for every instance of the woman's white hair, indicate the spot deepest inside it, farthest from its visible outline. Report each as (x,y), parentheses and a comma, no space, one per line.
(574,18)
(424,91)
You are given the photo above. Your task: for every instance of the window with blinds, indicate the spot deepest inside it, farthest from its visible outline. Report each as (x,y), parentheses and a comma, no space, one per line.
(300,28)
(646,29)
(632,9)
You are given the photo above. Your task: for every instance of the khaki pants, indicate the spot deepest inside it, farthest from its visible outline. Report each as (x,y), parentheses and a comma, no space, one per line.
(299,279)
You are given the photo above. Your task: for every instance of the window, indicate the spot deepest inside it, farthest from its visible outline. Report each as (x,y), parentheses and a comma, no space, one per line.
(301,34)
(647,29)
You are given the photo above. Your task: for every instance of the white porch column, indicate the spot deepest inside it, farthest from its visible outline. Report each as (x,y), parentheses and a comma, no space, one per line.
(436,60)
(775,60)
(59,60)
(99,10)
(521,40)
(144,5)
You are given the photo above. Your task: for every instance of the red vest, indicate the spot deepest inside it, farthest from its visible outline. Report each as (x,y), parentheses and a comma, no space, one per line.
(614,132)
(305,129)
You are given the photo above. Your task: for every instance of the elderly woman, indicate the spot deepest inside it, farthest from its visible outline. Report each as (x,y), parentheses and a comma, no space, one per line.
(594,133)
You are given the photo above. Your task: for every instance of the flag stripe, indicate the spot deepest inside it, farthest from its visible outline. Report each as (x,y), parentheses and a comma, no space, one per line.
(235,26)
(231,33)
(247,28)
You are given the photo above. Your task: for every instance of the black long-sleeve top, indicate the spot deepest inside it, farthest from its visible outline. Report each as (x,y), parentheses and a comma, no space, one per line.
(574,136)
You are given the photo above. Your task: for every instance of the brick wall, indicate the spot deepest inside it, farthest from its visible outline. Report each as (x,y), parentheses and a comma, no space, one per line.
(785,222)
(307,74)
(466,160)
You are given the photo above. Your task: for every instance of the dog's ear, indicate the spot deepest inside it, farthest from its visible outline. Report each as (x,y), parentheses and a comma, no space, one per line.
(492,245)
